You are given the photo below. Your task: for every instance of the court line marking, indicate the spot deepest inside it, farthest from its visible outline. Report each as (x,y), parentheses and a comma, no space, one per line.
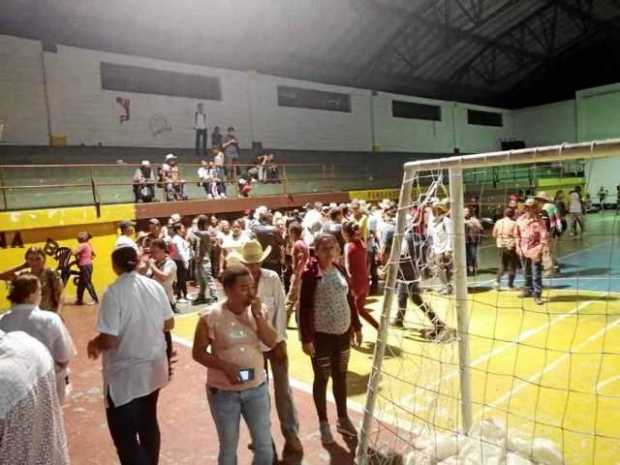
(499,350)
(552,366)
(604,383)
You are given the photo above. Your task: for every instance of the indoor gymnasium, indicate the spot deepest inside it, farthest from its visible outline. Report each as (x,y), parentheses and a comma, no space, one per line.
(371,232)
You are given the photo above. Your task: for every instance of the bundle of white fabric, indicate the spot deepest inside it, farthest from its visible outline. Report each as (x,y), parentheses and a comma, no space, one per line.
(487,444)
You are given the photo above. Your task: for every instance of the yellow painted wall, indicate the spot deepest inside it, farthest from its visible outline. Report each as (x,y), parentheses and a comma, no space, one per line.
(375,195)
(62,225)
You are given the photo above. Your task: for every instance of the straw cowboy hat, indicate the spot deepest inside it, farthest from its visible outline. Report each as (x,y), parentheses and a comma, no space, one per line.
(443,204)
(543,196)
(252,252)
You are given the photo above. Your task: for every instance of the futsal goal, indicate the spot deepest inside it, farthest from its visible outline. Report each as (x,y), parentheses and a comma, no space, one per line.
(469,371)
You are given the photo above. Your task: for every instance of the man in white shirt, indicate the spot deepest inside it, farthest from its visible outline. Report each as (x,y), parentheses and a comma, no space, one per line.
(576,211)
(440,229)
(271,293)
(162,269)
(45,326)
(132,319)
(125,239)
(200,125)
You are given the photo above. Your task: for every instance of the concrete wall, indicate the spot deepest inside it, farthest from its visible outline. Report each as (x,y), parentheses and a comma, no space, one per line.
(63,90)
(88,114)
(550,124)
(309,129)
(22,92)
(598,116)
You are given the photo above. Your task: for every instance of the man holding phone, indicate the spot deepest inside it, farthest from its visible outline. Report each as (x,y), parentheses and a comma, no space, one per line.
(228,342)
(270,290)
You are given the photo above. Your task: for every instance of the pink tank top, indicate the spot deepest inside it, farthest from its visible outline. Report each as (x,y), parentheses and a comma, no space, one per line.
(234,339)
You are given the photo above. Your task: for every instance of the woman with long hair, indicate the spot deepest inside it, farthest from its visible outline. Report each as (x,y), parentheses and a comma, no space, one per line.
(328,323)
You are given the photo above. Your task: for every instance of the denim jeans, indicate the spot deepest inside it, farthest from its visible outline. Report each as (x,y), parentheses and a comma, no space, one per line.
(287,413)
(204,275)
(533,276)
(227,408)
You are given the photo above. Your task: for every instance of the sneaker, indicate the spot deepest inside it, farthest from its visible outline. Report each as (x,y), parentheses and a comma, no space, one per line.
(326,433)
(497,286)
(538,300)
(200,301)
(182,301)
(345,427)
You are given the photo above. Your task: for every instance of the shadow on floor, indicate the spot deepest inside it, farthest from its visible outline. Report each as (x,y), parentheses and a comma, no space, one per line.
(581,298)
(356,383)
(369,348)
(587,272)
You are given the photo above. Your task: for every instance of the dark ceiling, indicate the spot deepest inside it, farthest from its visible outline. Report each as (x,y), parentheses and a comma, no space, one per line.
(508,53)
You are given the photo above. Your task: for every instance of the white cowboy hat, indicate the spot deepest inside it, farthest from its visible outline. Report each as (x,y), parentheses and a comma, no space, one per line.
(146,163)
(171,156)
(543,196)
(531,202)
(252,252)
(175,218)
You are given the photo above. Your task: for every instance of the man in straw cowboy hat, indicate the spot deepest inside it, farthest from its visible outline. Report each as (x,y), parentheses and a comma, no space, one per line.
(271,292)
(554,226)
(532,243)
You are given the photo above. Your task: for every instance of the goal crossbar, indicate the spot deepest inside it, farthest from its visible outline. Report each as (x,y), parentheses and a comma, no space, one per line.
(562,152)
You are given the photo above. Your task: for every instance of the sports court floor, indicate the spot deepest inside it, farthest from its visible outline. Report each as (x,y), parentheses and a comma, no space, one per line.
(550,370)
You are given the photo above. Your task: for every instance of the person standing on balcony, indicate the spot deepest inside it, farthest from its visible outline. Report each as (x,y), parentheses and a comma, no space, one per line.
(231,153)
(200,126)
(216,137)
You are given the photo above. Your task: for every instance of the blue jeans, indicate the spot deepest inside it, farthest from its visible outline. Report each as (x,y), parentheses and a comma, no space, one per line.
(533,276)
(205,279)
(255,406)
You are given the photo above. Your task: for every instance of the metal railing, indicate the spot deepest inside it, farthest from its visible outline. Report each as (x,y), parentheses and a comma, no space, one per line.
(56,185)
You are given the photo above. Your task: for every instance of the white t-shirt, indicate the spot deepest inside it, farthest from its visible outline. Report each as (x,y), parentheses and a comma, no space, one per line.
(574,205)
(47,328)
(182,249)
(201,120)
(125,241)
(218,160)
(170,269)
(441,235)
(271,293)
(134,308)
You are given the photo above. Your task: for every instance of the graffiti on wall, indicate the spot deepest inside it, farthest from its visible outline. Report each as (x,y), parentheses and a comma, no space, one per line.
(158,124)
(125,103)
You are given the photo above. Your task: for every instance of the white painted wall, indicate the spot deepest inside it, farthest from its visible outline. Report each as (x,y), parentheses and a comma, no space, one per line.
(90,115)
(472,138)
(308,129)
(603,172)
(412,135)
(598,114)
(22,95)
(550,124)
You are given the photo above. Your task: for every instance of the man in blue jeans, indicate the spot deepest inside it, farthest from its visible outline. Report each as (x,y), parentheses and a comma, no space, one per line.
(228,342)
(532,243)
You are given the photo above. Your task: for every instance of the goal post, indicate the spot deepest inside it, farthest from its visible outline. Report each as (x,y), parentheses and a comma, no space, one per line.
(399,420)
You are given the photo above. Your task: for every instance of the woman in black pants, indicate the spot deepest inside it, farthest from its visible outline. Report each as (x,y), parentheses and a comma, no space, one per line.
(328,322)
(84,255)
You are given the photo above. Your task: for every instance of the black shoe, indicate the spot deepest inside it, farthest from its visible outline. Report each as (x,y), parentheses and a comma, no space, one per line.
(200,301)
(397,323)
(538,300)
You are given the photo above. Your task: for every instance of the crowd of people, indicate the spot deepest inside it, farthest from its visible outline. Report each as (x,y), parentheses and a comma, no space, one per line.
(318,263)
(213,174)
